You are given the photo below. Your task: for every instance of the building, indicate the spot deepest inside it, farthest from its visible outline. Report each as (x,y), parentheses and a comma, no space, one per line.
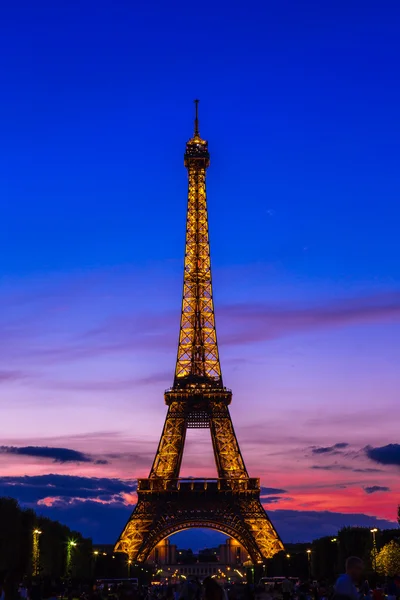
(225,563)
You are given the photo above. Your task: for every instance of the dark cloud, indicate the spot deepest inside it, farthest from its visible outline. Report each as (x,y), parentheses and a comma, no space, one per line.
(104,522)
(66,488)
(372,489)
(338,467)
(385,455)
(304,526)
(272,499)
(57,455)
(267,491)
(335,449)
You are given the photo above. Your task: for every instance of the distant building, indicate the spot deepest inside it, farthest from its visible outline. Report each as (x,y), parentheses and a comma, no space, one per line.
(226,562)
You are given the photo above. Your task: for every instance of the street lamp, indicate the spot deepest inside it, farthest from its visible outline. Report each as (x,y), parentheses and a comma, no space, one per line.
(309,562)
(374,532)
(337,561)
(287,570)
(36,552)
(70,545)
(129,568)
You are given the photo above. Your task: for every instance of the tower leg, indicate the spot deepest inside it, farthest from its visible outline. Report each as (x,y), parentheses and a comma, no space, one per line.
(136,530)
(168,459)
(226,448)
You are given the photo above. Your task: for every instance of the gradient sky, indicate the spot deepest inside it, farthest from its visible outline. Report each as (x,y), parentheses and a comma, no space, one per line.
(300,104)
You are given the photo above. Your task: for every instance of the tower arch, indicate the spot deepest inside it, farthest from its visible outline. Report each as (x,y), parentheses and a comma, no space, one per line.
(162,534)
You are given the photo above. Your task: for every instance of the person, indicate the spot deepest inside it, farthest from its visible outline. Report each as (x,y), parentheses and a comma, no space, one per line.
(261,593)
(191,590)
(391,590)
(345,586)
(23,591)
(378,593)
(212,590)
(287,589)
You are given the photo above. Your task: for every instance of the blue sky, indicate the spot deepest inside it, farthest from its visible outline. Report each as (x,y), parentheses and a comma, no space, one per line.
(299,102)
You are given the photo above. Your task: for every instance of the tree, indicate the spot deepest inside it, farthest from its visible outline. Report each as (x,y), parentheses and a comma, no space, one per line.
(388,559)
(355,541)
(325,558)
(398,514)
(17,526)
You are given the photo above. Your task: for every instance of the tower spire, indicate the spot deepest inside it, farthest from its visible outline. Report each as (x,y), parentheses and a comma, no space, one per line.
(196,119)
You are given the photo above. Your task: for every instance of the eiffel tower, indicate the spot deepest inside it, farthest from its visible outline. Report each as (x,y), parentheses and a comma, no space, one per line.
(198,399)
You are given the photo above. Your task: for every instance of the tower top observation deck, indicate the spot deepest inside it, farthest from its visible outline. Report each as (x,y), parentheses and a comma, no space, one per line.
(196,148)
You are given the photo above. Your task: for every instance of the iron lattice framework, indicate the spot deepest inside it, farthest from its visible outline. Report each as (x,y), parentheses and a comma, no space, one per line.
(198,399)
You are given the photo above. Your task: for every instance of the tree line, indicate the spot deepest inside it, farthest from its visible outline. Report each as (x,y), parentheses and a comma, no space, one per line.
(59,551)
(324,558)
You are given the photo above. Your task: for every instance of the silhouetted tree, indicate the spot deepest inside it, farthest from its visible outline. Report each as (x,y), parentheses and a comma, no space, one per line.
(16,544)
(325,558)
(388,560)
(355,541)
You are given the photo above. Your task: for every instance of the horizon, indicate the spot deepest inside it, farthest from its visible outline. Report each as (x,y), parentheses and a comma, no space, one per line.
(302,195)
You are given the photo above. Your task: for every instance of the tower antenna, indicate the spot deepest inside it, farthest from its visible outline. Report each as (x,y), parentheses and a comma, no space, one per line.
(196,119)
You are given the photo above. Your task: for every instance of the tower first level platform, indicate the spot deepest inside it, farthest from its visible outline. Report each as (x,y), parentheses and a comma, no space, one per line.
(227,505)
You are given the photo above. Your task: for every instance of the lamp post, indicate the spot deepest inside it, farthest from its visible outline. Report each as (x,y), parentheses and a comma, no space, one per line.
(36,552)
(288,567)
(374,532)
(129,568)
(70,546)
(336,565)
(309,562)
(95,555)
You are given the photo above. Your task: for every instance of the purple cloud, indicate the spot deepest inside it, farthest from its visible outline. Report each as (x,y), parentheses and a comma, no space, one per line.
(267,491)
(239,324)
(255,322)
(372,489)
(330,449)
(7,376)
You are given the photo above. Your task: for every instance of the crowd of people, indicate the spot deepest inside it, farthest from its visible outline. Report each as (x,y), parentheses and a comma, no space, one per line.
(351,585)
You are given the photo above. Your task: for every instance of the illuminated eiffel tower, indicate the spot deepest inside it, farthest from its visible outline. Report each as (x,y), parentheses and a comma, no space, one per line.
(198,399)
